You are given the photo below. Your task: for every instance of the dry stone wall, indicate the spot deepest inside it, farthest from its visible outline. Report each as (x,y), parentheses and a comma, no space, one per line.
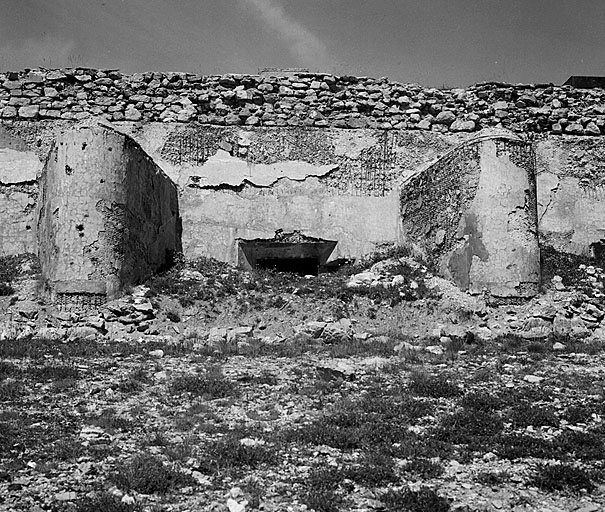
(303,99)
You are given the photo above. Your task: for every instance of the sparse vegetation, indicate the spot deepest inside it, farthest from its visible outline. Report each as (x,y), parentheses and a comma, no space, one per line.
(147,474)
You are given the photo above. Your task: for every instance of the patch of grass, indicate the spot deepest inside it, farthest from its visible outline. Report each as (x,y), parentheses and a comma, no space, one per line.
(481,401)
(434,386)
(579,413)
(112,422)
(212,384)
(352,348)
(181,451)
(371,421)
(230,453)
(105,501)
(66,449)
(469,427)
(320,489)
(406,500)
(8,370)
(423,468)
(134,381)
(10,390)
(53,372)
(527,414)
(586,446)
(493,478)
(147,474)
(518,446)
(561,477)
(37,348)
(374,469)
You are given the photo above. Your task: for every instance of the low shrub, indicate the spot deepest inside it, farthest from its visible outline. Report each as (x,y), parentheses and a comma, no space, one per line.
(561,477)
(434,386)
(147,474)
(229,453)
(212,384)
(406,500)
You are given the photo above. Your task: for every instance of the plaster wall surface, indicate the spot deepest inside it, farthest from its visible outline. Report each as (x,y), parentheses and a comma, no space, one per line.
(107,213)
(571,192)
(19,169)
(472,213)
(249,181)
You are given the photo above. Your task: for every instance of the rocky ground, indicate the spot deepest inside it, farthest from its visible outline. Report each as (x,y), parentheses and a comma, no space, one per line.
(379,387)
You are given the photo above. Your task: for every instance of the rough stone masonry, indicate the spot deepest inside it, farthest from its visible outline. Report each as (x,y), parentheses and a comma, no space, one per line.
(476,179)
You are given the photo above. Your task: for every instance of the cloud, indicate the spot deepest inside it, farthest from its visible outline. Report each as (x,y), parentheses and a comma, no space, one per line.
(303,44)
(47,51)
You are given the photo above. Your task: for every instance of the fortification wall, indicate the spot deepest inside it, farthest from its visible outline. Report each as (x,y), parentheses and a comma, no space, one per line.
(304,99)
(316,153)
(249,181)
(106,215)
(473,215)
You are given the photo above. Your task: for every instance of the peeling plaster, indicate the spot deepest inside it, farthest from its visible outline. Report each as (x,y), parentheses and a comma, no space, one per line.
(18,166)
(223,169)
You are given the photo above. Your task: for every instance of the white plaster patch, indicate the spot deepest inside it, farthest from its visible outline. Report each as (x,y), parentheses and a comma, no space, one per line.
(224,169)
(18,166)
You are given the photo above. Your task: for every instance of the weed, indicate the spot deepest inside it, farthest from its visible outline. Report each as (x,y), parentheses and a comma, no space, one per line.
(469,427)
(180,451)
(561,477)
(434,386)
(110,421)
(10,390)
(147,474)
(515,446)
(587,446)
(423,468)
(54,372)
(8,370)
(105,501)
(373,420)
(407,500)
(134,381)
(320,489)
(66,449)
(374,469)
(481,401)
(578,414)
(210,385)
(493,478)
(234,452)
(526,413)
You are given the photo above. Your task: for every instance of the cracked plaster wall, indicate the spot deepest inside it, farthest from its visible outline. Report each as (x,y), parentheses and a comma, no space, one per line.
(19,168)
(247,183)
(473,215)
(571,192)
(328,182)
(107,214)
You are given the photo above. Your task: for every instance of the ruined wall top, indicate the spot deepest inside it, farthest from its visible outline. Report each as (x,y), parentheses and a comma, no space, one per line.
(304,99)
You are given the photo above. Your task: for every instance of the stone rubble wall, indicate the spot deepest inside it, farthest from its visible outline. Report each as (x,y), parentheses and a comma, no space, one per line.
(305,99)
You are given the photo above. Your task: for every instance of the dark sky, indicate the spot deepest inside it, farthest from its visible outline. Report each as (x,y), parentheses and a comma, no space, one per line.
(432,42)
